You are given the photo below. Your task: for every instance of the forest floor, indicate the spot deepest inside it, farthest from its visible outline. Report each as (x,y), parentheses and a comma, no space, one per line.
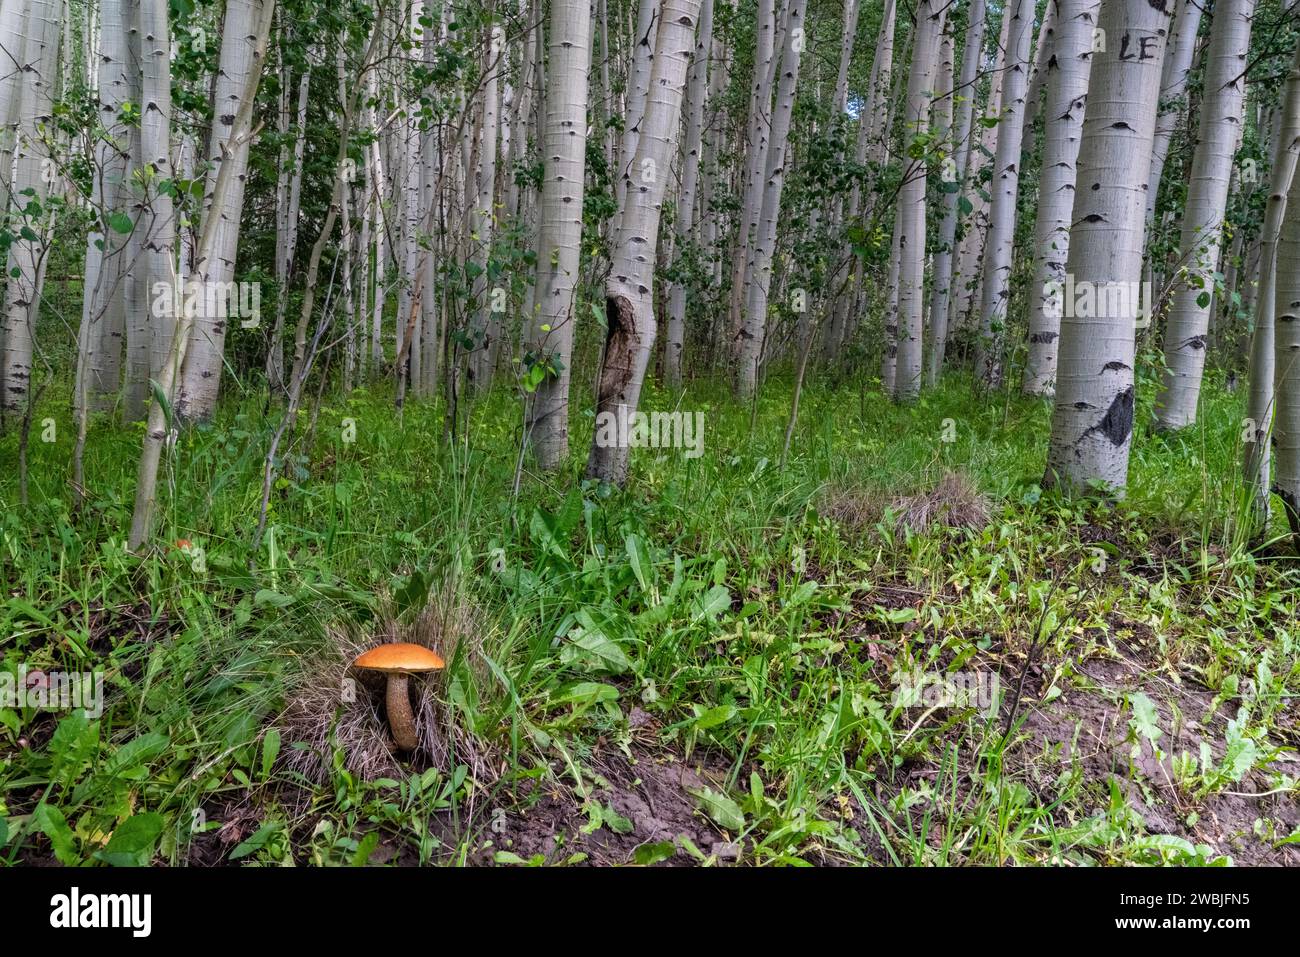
(897,648)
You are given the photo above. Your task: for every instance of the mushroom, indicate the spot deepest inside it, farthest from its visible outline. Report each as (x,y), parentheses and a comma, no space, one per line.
(398,661)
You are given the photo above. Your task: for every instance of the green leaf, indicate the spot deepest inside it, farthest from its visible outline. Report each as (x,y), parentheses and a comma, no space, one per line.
(265,596)
(270,751)
(725,812)
(365,848)
(713,602)
(133,841)
(120,223)
(49,820)
(590,646)
(639,557)
(653,853)
(256,842)
(716,716)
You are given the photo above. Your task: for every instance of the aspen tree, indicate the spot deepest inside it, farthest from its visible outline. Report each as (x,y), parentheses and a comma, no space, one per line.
(559,243)
(1092,419)
(1218,132)
(1066,74)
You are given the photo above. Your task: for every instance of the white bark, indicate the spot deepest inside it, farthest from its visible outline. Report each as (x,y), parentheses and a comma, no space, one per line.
(760,104)
(957,151)
(1219,129)
(158,219)
(686,194)
(970,254)
(559,244)
(996,285)
(286,238)
(909,226)
(1286,423)
(1173,92)
(638,88)
(1092,420)
(759,271)
(1263,363)
(237,134)
(1066,75)
(201,374)
(487,324)
(629,290)
(27,255)
(102,322)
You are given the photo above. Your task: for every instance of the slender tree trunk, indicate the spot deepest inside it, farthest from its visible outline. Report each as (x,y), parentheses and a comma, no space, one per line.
(559,244)
(629,291)
(238,132)
(1092,420)
(909,227)
(760,106)
(1173,92)
(201,374)
(686,193)
(971,252)
(158,222)
(1186,332)
(1066,76)
(953,166)
(996,285)
(1262,360)
(286,240)
(754,328)
(27,253)
(487,331)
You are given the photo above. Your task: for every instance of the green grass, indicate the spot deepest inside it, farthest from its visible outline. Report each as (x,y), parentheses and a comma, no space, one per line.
(712,594)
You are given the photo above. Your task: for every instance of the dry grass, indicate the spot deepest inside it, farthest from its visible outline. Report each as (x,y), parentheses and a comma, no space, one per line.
(954,502)
(319,717)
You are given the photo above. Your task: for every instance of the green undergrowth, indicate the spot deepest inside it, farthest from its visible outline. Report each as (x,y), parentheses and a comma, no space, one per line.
(725,612)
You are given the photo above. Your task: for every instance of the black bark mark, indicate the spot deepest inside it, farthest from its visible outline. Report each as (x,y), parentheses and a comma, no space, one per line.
(1117,424)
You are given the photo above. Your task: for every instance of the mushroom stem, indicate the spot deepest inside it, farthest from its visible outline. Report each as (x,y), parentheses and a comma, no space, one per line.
(400,719)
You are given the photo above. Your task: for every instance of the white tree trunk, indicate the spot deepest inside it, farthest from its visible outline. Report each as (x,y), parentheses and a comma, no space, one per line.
(559,243)
(237,133)
(629,290)
(158,221)
(26,254)
(201,375)
(686,194)
(1263,343)
(971,251)
(996,285)
(487,324)
(1092,419)
(103,318)
(954,138)
(1066,76)
(1219,129)
(754,328)
(1173,92)
(286,239)
(909,226)
(760,105)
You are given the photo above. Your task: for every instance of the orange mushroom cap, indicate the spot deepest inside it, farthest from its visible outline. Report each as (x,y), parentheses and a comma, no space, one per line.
(400,658)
